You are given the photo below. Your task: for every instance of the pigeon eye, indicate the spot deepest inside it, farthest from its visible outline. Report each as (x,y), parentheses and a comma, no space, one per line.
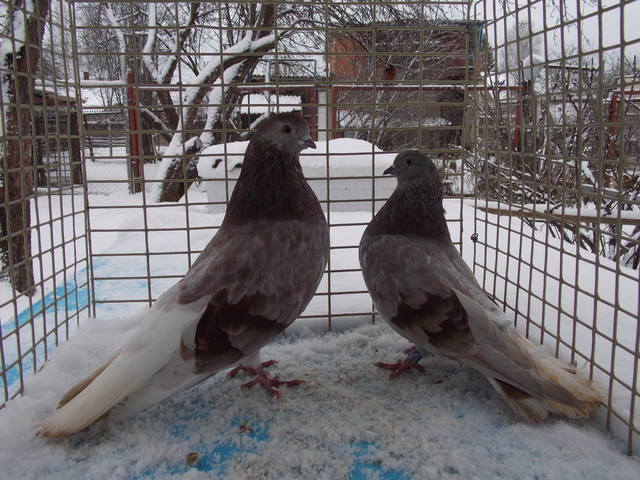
(408,161)
(286,128)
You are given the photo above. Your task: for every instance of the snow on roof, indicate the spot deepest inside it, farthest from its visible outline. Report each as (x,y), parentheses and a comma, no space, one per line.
(346,157)
(257,103)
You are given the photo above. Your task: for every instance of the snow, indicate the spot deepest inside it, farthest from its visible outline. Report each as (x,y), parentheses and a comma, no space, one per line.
(246,44)
(586,213)
(216,99)
(345,157)
(436,122)
(147,50)
(209,165)
(257,103)
(121,40)
(90,100)
(105,83)
(10,46)
(107,170)
(351,163)
(348,420)
(174,149)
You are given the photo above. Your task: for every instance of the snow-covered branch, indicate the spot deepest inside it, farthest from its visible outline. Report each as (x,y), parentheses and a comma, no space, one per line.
(151,40)
(157,123)
(216,98)
(121,41)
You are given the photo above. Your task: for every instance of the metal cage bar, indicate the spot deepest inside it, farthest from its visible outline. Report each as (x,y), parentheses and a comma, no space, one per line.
(557,168)
(139,112)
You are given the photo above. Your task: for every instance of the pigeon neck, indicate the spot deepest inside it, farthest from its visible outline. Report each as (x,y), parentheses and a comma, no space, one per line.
(414,208)
(271,186)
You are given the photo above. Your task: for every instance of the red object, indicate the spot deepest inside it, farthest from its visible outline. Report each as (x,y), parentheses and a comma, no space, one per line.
(263,379)
(134,133)
(515,146)
(334,113)
(612,140)
(400,367)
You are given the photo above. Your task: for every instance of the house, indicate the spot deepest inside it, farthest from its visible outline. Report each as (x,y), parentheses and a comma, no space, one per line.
(400,100)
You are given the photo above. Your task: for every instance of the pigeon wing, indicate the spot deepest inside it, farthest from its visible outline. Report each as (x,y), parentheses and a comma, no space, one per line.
(256,288)
(410,280)
(246,286)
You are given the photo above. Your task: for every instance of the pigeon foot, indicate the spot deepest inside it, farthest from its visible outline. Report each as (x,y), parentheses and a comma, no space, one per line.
(263,379)
(270,384)
(413,357)
(252,370)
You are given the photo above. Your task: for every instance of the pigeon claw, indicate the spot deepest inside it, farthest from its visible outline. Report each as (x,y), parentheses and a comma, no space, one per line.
(400,367)
(270,384)
(251,370)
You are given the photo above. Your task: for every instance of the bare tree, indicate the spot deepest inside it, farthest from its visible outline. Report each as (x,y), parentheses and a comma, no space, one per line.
(409,107)
(209,65)
(558,161)
(213,89)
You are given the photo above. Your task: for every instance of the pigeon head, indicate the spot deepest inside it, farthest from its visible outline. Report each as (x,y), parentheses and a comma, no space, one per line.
(285,132)
(412,164)
(415,206)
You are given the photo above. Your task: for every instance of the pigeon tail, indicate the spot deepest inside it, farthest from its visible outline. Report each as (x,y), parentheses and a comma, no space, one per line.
(585,395)
(526,376)
(120,376)
(585,399)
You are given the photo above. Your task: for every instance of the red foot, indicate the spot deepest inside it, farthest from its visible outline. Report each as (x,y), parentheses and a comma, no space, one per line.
(270,384)
(262,378)
(413,357)
(251,370)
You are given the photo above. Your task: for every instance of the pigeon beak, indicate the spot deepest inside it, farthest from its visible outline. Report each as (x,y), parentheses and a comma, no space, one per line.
(389,171)
(306,142)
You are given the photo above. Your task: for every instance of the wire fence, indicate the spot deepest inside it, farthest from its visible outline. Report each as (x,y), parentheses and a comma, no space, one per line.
(150,106)
(44,281)
(557,166)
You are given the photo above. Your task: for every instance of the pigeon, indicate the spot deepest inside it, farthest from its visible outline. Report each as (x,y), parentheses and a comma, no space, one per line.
(422,287)
(252,280)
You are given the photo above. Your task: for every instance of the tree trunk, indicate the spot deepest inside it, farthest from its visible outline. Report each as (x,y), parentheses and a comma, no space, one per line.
(183,172)
(17,189)
(145,97)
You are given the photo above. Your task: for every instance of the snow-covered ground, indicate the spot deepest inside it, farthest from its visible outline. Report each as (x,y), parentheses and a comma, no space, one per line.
(352,163)
(107,171)
(348,420)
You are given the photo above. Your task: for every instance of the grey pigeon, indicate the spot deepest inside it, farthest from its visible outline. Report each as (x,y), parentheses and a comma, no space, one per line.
(425,291)
(252,280)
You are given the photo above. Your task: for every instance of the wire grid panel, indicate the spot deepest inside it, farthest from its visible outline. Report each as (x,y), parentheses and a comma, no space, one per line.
(557,177)
(43,242)
(370,79)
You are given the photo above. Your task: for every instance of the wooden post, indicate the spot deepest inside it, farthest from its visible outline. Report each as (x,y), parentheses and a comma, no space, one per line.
(135,162)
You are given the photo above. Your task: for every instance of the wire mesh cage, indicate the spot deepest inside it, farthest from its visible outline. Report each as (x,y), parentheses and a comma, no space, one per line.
(125,124)
(557,165)
(43,239)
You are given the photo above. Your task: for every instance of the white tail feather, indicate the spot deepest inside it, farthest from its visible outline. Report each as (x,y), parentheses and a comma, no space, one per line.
(560,389)
(155,342)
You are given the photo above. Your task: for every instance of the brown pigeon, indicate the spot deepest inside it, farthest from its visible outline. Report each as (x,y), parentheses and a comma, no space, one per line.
(423,288)
(252,280)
